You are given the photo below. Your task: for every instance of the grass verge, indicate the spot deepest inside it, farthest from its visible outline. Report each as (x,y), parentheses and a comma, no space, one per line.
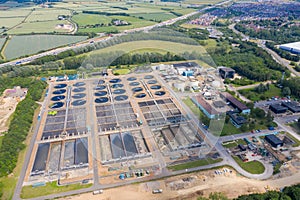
(193,164)
(49,188)
(253,167)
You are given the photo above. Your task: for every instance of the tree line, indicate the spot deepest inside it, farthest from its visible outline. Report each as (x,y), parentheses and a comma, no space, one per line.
(293,84)
(21,121)
(247,60)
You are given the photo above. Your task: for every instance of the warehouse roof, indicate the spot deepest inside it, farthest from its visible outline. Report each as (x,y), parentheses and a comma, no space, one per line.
(294,45)
(234,101)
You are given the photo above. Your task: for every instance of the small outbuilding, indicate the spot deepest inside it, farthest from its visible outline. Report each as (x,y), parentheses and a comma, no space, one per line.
(274,140)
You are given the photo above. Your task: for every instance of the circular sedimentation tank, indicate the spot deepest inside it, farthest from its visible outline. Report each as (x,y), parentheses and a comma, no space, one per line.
(137,89)
(61,91)
(117,85)
(119,91)
(57,105)
(152,82)
(155,87)
(148,77)
(121,97)
(63,85)
(97,82)
(79,89)
(141,95)
(101,100)
(79,84)
(58,98)
(160,93)
(131,79)
(78,102)
(100,93)
(115,80)
(134,83)
(100,87)
(78,96)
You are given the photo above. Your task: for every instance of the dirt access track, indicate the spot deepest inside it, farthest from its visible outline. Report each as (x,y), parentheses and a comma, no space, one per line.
(191,186)
(7,108)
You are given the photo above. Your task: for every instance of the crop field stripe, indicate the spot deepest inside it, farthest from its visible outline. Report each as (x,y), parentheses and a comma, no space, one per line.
(25,45)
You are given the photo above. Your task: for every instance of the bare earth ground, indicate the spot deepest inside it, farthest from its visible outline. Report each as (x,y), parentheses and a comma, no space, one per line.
(201,184)
(7,108)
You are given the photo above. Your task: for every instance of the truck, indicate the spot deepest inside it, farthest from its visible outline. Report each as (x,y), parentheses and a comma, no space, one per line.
(157,191)
(95,192)
(271,128)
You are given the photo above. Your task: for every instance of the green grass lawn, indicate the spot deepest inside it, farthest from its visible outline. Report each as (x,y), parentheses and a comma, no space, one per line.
(254,96)
(230,129)
(193,164)
(121,71)
(296,127)
(49,188)
(230,144)
(253,167)
(235,143)
(160,45)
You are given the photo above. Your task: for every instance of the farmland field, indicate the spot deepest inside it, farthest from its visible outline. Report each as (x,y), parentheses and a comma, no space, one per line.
(2,41)
(166,46)
(134,23)
(89,19)
(30,44)
(42,14)
(155,16)
(39,27)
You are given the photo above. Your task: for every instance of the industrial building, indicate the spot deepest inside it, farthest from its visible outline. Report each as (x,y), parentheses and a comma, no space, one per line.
(226,72)
(292,106)
(235,103)
(277,108)
(291,47)
(236,119)
(205,107)
(274,141)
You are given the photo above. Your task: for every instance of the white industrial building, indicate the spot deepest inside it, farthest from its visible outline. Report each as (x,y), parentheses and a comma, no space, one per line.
(291,47)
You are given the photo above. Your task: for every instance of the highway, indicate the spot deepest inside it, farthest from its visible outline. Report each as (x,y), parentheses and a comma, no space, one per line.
(100,39)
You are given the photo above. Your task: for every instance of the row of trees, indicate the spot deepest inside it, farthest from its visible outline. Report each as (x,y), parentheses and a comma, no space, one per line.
(21,121)
(248,60)
(293,84)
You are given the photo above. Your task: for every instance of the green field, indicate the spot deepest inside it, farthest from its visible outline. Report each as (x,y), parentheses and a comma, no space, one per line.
(166,46)
(50,14)
(296,126)
(30,44)
(2,41)
(253,167)
(235,143)
(88,19)
(40,27)
(50,188)
(193,164)
(36,19)
(160,16)
(254,96)
(121,71)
